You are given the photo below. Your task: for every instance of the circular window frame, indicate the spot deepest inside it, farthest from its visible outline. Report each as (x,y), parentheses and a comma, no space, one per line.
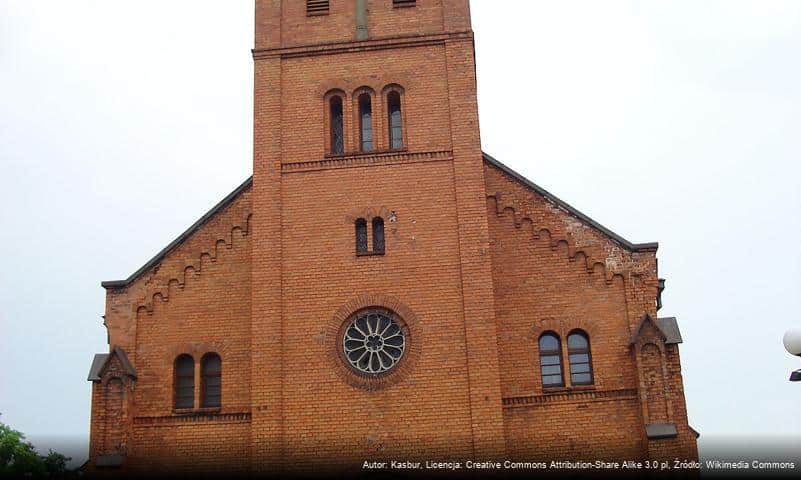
(393,317)
(346,315)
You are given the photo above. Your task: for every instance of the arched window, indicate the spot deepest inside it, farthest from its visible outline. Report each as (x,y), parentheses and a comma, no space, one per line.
(211,380)
(378,235)
(366,122)
(395,120)
(361,235)
(578,350)
(551,360)
(336,125)
(184,381)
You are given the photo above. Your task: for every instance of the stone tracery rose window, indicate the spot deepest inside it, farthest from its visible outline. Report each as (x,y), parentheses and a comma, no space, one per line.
(373,342)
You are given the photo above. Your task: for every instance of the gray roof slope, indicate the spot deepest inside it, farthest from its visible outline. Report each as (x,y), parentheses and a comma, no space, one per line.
(97,364)
(635,247)
(670,327)
(101,360)
(659,431)
(181,238)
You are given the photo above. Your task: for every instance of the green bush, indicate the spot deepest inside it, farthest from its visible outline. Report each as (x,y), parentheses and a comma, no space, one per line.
(18,457)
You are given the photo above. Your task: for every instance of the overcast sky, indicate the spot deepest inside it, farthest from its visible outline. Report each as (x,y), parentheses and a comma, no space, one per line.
(680,122)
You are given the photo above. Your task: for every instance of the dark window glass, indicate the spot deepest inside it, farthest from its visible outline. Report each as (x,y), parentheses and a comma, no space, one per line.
(578,350)
(551,361)
(184,382)
(337,132)
(211,375)
(366,122)
(395,120)
(378,235)
(361,236)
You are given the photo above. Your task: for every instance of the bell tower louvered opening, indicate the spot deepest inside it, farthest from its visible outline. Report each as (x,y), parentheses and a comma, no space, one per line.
(403,3)
(316,7)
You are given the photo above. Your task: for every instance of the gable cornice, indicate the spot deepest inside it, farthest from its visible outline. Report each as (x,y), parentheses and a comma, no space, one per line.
(633,247)
(646,319)
(102,360)
(113,284)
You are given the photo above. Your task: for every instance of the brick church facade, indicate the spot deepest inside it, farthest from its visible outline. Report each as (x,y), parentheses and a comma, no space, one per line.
(381,288)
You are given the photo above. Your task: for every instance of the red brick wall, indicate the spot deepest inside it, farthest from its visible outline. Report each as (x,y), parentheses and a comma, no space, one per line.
(539,288)
(219,445)
(420,71)
(384,21)
(328,418)
(551,272)
(576,428)
(305,205)
(476,264)
(110,420)
(685,446)
(196,301)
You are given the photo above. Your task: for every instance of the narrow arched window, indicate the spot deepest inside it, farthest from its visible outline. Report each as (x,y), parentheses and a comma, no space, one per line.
(551,360)
(184,382)
(211,380)
(378,235)
(336,125)
(578,351)
(361,235)
(366,122)
(395,120)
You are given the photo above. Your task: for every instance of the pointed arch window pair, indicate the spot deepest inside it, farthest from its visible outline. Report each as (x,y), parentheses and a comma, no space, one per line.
(365,121)
(578,351)
(378,237)
(210,381)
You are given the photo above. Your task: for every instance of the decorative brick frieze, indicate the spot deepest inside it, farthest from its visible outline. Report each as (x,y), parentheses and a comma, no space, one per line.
(570,397)
(561,234)
(162,293)
(365,46)
(367,159)
(215,418)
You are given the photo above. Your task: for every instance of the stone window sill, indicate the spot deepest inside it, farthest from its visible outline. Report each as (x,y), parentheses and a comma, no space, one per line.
(369,254)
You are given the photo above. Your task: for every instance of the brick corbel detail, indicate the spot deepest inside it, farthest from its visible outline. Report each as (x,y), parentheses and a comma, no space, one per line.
(615,263)
(177,281)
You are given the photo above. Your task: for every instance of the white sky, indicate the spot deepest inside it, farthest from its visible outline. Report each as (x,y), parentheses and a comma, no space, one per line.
(680,122)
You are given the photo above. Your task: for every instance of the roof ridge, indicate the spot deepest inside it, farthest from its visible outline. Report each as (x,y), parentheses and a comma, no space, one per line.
(634,247)
(180,239)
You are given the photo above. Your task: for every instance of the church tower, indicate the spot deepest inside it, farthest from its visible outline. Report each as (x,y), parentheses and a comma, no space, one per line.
(380,289)
(369,206)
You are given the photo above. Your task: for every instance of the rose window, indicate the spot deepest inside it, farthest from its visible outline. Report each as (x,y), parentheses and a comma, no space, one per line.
(374,342)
